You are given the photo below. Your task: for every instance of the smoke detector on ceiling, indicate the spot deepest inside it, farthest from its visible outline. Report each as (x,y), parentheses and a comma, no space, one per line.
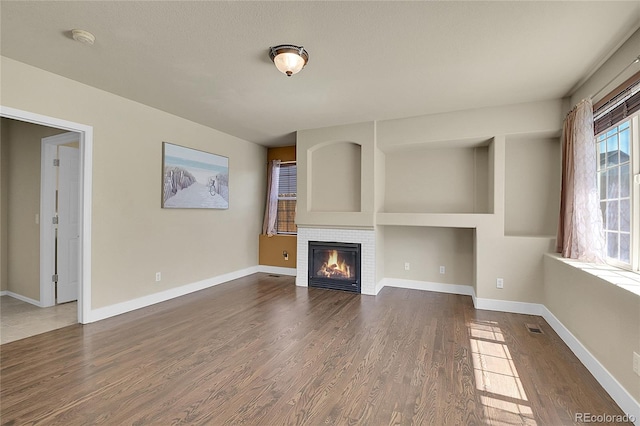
(84,37)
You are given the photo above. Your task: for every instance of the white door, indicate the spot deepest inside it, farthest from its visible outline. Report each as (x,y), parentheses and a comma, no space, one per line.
(68,231)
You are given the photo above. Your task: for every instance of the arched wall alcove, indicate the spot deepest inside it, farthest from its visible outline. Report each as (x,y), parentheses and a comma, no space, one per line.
(335,177)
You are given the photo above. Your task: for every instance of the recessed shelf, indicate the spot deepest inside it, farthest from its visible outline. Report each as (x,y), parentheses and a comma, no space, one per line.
(454,180)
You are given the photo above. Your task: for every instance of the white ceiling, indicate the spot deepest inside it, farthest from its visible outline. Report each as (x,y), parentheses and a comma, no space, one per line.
(208,61)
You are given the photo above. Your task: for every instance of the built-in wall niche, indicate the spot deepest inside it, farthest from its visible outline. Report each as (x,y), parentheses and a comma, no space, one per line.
(426,249)
(438,180)
(532,186)
(336,178)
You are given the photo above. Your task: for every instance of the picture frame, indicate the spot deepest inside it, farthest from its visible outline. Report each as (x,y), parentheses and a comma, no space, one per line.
(193,179)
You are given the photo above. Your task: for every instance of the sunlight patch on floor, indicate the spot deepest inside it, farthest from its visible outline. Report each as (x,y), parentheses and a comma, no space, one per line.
(501,392)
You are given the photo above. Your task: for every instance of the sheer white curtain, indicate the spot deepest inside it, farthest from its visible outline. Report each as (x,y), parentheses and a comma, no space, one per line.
(271,210)
(580,231)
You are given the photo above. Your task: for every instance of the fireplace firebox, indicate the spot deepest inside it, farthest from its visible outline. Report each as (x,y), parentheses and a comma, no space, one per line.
(334,266)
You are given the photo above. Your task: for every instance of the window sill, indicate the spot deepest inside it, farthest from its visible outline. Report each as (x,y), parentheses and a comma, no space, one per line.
(622,278)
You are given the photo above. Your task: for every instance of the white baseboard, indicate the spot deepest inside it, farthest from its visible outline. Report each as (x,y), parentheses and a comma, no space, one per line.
(619,394)
(465,290)
(508,306)
(277,270)
(152,299)
(21,297)
(4,293)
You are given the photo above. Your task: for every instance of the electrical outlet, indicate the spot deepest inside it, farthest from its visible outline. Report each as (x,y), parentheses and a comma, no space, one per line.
(636,363)
(499,283)
(158,276)
(442,269)
(285,255)
(407,266)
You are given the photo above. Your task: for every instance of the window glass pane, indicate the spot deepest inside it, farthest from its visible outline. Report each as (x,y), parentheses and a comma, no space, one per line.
(612,216)
(612,245)
(612,183)
(603,185)
(625,182)
(288,180)
(285,220)
(624,146)
(602,154)
(603,210)
(612,150)
(625,250)
(625,215)
(624,125)
(612,132)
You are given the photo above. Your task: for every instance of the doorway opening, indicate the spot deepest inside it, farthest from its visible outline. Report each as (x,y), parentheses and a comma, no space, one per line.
(78,201)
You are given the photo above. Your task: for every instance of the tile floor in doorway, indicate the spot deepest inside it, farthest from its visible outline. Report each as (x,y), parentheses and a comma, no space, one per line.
(21,319)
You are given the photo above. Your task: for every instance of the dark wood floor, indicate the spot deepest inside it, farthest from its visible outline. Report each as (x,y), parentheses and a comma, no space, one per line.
(261,351)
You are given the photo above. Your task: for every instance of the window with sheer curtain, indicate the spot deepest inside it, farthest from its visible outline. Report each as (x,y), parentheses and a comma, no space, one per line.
(287,188)
(618,150)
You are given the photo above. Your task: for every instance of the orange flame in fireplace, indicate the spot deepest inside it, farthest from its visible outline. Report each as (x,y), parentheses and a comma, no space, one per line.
(334,267)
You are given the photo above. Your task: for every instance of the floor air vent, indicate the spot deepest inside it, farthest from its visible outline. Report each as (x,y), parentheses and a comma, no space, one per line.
(534,328)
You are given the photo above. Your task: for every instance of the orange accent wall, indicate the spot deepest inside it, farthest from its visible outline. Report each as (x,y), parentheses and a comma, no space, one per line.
(282,153)
(271,248)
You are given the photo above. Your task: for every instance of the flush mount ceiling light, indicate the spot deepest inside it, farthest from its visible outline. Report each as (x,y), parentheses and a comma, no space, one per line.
(289,59)
(84,37)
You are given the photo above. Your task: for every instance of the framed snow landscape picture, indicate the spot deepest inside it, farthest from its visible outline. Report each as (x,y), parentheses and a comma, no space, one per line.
(193,179)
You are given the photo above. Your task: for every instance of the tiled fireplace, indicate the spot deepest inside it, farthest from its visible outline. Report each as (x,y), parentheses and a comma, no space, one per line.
(334,266)
(364,238)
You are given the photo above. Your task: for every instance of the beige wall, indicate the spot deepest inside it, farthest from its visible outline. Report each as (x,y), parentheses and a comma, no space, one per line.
(132,237)
(426,249)
(517,260)
(603,317)
(440,180)
(470,126)
(335,178)
(4,190)
(532,186)
(482,176)
(23,204)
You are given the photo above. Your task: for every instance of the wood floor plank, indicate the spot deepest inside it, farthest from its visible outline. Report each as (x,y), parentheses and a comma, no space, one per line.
(261,351)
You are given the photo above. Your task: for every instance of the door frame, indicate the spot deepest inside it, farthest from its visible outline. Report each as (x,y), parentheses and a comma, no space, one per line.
(85,197)
(47,211)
